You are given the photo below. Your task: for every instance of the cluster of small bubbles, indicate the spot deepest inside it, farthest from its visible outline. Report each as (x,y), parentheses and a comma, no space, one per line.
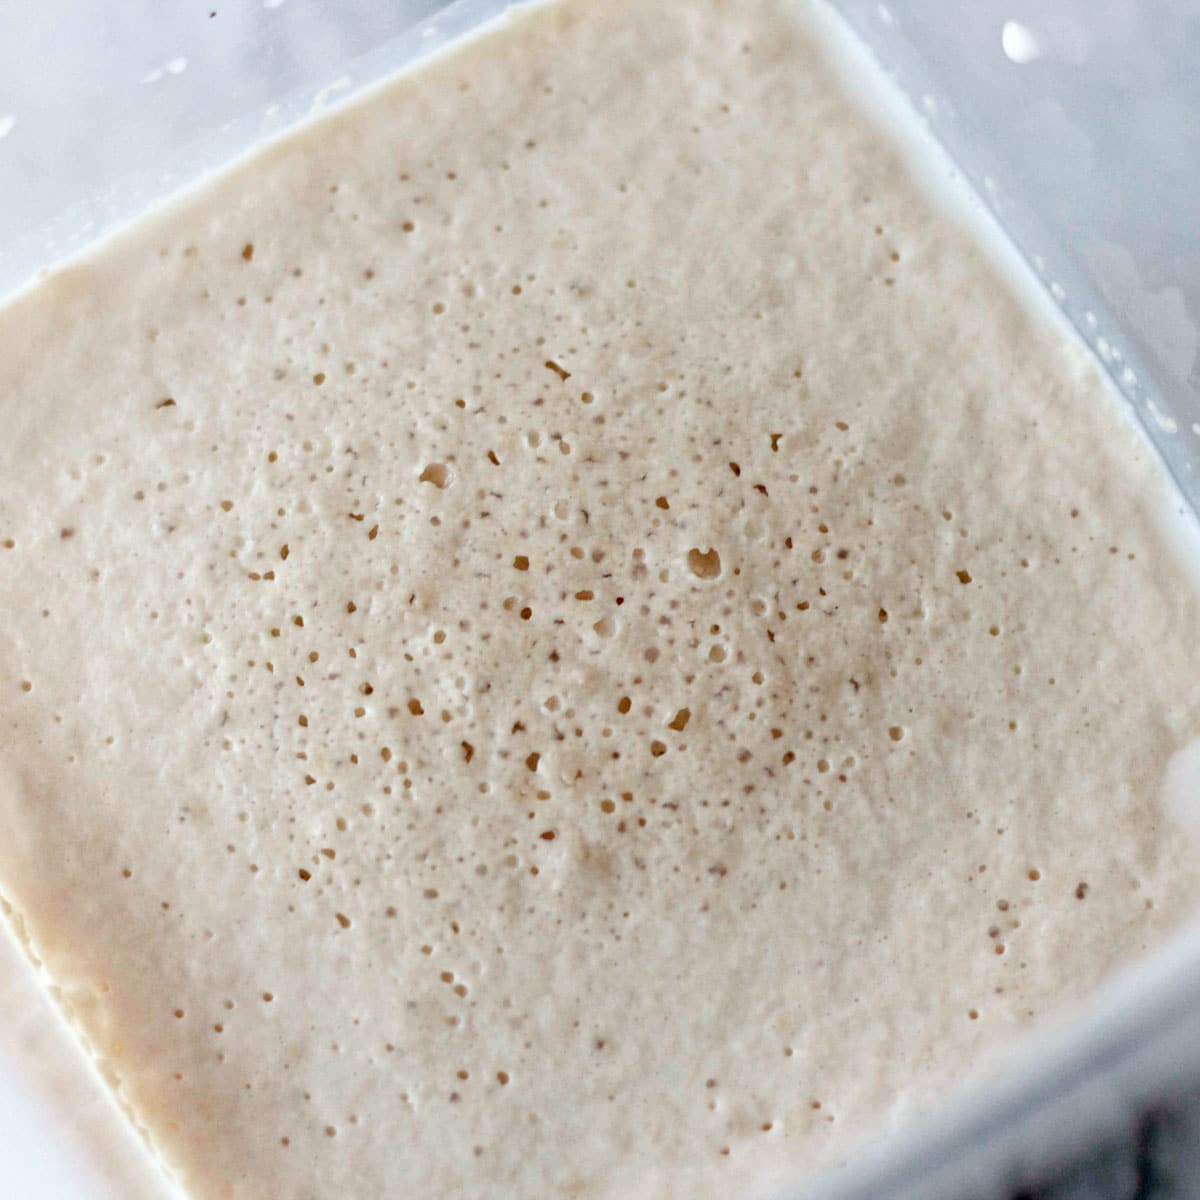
(524,638)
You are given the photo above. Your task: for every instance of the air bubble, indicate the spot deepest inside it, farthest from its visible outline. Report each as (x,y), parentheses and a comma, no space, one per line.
(704,564)
(436,473)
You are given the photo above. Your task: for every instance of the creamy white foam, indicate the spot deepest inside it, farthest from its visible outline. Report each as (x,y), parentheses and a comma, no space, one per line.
(566,618)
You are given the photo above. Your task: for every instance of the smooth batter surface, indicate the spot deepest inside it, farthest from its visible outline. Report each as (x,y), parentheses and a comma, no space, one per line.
(563,628)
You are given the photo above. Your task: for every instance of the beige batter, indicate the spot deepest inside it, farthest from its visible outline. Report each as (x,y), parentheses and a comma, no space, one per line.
(562,627)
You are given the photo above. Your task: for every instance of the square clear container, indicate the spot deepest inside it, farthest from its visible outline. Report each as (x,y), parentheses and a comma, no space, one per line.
(1075,123)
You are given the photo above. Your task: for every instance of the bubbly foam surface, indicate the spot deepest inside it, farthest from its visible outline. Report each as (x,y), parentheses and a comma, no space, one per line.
(563,626)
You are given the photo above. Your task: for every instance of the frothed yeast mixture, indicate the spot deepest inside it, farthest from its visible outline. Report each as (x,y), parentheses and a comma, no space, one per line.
(565,632)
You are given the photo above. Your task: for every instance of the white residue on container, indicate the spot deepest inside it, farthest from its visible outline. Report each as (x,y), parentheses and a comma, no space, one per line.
(1181,786)
(1164,422)
(885,15)
(322,97)
(7,121)
(1018,43)
(173,66)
